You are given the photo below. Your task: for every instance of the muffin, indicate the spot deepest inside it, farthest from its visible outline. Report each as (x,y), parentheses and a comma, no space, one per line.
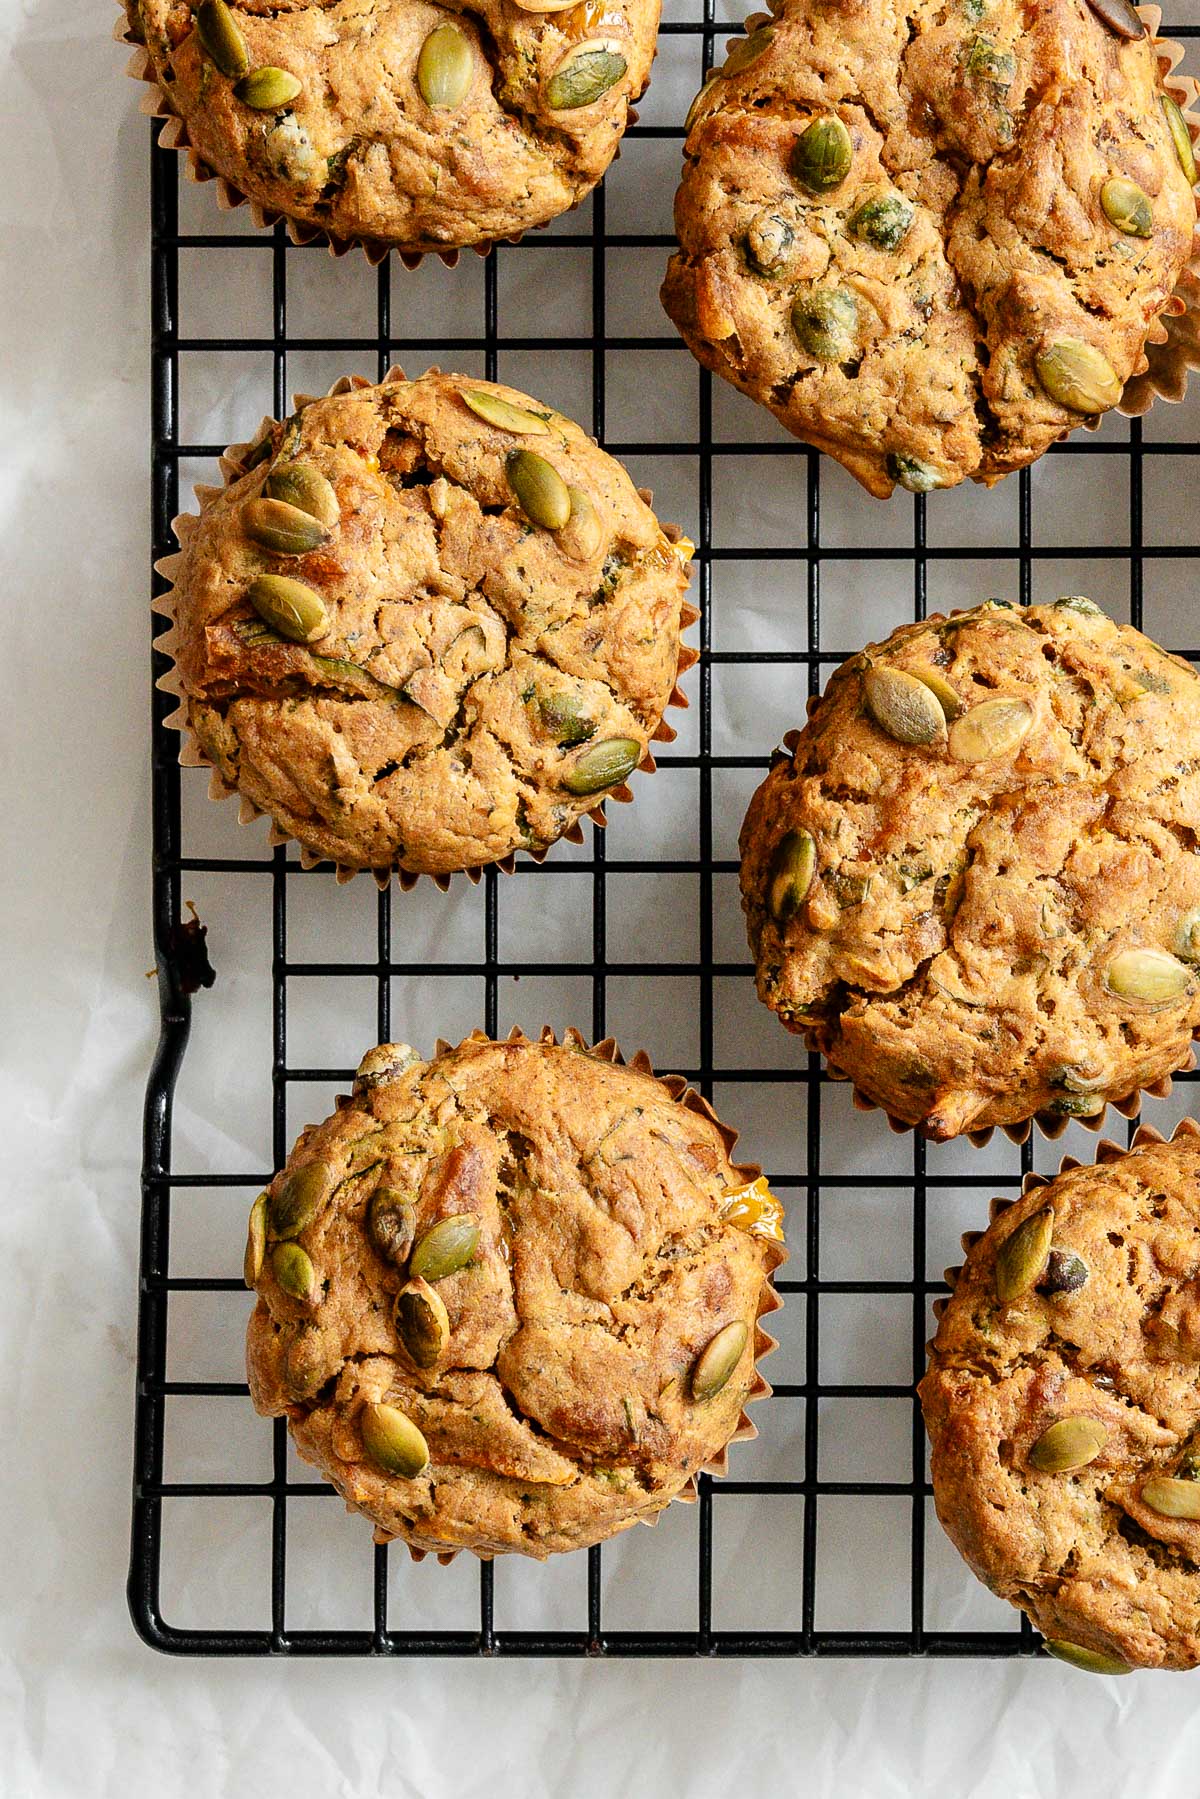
(508,1298)
(425,624)
(1063,1409)
(972,880)
(401,125)
(933,240)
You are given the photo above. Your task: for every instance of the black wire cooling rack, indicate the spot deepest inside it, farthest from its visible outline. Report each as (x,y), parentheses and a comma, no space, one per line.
(817,1190)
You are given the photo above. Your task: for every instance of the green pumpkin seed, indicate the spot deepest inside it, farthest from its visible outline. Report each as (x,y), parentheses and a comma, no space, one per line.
(914,475)
(267,90)
(1078,1105)
(748,51)
(289,607)
(393,1442)
(302,486)
(1172,1498)
(1119,16)
(256,1242)
(603,765)
(391,1224)
(422,1323)
(718,1359)
(282,528)
(822,154)
(883,222)
(1181,137)
(826,323)
(792,868)
(562,717)
(444,1249)
(996,728)
(299,1198)
(694,108)
(1089,1660)
(1078,602)
(986,63)
(221,40)
(1147,974)
(1022,1255)
(903,706)
(540,490)
(445,66)
(1065,1273)
(1076,375)
(1125,205)
(769,243)
(504,415)
(584,76)
(1071,1443)
(294,1271)
(1186,942)
(942,692)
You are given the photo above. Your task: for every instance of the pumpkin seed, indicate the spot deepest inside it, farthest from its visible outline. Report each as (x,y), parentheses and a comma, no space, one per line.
(562,716)
(1172,1498)
(1119,16)
(748,51)
(717,1361)
(1181,137)
(1125,205)
(444,1249)
(391,1224)
(504,415)
(1186,942)
(445,66)
(1076,375)
(282,528)
(903,706)
(1090,1660)
(1078,602)
(267,90)
(221,40)
(603,765)
(584,76)
(580,536)
(384,1063)
(996,728)
(883,222)
(289,607)
(769,243)
(694,108)
(1022,1255)
(1071,1443)
(540,490)
(1065,1273)
(792,868)
(256,1241)
(1078,1105)
(911,473)
(300,1196)
(822,154)
(826,323)
(942,692)
(304,487)
(422,1323)
(393,1442)
(1147,974)
(294,1271)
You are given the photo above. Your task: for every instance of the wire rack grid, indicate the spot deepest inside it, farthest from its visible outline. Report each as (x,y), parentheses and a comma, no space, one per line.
(822,1541)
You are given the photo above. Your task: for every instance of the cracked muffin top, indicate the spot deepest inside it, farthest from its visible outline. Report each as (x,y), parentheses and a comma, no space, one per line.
(508,1298)
(401,123)
(425,624)
(932,237)
(972,880)
(1064,1412)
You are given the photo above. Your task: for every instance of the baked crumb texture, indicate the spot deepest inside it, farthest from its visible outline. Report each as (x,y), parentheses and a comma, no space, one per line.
(1107,1336)
(895,315)
(1001,920)
(614,1244)
(359,154)
(474,671)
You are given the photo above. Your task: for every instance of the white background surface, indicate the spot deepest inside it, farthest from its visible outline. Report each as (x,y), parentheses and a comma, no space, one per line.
(85,1710)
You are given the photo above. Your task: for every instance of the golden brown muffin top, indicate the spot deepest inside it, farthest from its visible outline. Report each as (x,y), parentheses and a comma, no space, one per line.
(351,117)
(452,681)
(972,880)
(930,237)
(1063,1406)
(542,1263)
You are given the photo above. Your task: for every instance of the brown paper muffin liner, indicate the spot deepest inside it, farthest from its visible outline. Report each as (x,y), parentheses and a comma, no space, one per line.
(776,1253)
(1106,1153)
(1172,346)
(233,465)
(156,104)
